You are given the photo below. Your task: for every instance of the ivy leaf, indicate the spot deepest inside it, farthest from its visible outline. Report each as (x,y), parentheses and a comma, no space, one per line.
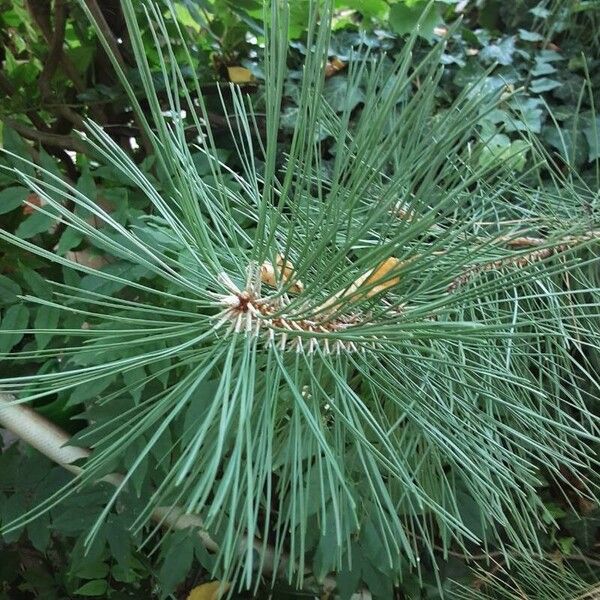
(530,36)
(592,135)
(404,18)
(530,115)
(340,95)
(542,67)
(571,148)
(501,52)
(544,84)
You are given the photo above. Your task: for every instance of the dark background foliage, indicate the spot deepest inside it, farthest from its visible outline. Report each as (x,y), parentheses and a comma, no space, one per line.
(543,56)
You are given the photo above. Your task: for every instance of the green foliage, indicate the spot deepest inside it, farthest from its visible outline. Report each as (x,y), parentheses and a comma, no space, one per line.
(436,414)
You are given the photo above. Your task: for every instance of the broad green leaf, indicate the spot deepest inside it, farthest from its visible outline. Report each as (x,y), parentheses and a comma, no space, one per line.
(15,318)
(118,541)
(404,18)
(177,561)
(97,587)
(12,197)
(123,269)
(544,84)
(38,222)
(70,238)
(13,142)
(592,135)
(530,36)
(376,9)
(90,389)
(9,290)
(11,508)
(92,570)
(341,95)
(46,317)
(37,284)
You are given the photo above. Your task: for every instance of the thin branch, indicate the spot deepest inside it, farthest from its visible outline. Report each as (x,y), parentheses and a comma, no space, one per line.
(41,19)
(66,142)
(56,47)
(522,260)
(107,33)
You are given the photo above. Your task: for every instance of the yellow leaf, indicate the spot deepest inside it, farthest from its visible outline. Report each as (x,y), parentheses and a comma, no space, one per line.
(239,75)
(369,279)
(285,272)
(209,591)
(333,66)
(380,273)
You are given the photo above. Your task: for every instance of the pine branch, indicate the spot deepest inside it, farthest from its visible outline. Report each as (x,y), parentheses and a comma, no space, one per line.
(523,260)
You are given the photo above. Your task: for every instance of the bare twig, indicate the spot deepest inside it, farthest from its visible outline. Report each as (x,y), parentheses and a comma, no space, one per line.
(107,33)
(56,47)
(66,142)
